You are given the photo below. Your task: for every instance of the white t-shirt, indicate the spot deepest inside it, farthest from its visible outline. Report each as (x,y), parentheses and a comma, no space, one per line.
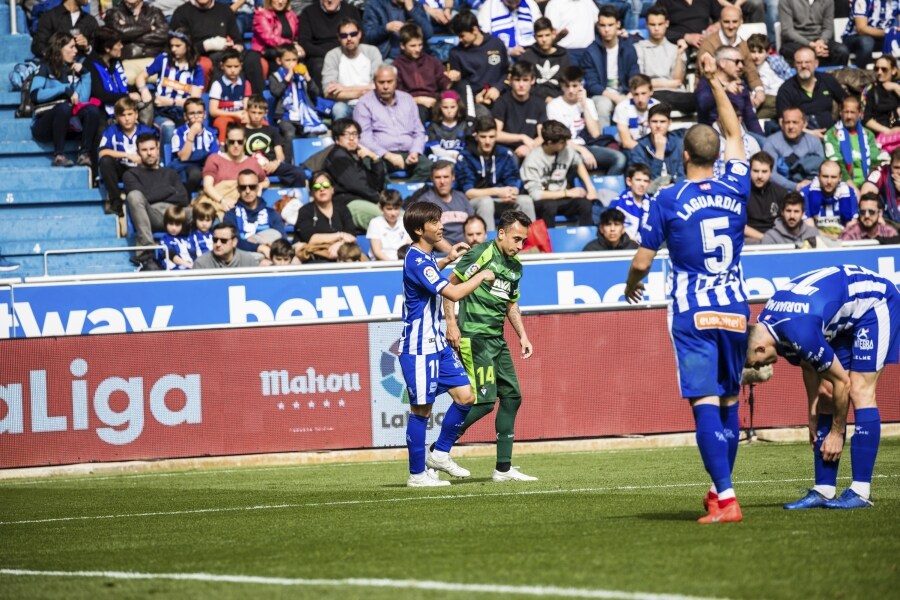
(578,16)
(354,72)
(612,67)
(571,115)
(391,237)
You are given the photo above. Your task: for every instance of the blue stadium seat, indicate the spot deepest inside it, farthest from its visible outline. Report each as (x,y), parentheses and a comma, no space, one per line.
(167,155)
(406,189)
(613,183)
(363,242)
(306,147)
(571,239)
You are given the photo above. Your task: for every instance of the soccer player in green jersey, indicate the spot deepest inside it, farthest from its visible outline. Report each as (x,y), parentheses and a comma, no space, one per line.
(478,336)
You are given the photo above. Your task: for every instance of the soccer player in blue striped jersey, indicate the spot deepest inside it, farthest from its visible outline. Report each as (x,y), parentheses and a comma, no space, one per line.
(703,220)
(841,325)
(430,366)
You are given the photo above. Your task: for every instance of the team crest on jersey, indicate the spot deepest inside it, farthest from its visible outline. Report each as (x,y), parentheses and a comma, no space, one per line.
(472,270)
(493,58)
(739,169)
(430,274)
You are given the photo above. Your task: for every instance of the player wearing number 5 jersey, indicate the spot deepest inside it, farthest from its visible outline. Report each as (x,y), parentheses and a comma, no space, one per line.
(703,219)
(478,335)
(429,365)
(841,325)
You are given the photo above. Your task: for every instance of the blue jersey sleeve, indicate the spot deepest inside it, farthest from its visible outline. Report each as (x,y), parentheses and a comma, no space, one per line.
(155,68)
(652,232)
(737,176)
(802,340)
(426,275)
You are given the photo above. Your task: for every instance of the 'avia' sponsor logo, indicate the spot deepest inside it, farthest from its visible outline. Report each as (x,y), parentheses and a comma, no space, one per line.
(122,426)
(278,382)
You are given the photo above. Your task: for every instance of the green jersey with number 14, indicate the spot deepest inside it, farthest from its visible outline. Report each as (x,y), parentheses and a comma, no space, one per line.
(483,312)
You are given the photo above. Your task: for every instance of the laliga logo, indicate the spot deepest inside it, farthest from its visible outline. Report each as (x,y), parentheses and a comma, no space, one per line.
(391,379)
(122,427)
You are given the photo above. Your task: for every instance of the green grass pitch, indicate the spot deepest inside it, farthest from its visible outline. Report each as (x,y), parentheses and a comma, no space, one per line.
(597,525)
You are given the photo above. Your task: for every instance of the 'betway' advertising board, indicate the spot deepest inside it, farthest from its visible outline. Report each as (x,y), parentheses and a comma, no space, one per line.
(79,308)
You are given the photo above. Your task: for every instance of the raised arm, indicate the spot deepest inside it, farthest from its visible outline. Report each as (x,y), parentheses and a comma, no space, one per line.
(728,120)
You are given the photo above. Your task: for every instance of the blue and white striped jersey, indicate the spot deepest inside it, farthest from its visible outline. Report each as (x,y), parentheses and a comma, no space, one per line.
(818,306)
(703,222)
(174,82)
(422,305)
(634,212)
(204,144)
(878,13)
(117,140)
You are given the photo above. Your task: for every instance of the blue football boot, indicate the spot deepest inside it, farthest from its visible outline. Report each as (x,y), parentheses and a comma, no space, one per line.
(848,500)
(812,499)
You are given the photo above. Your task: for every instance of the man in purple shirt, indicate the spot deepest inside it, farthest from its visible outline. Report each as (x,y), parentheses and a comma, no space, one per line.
(391,127)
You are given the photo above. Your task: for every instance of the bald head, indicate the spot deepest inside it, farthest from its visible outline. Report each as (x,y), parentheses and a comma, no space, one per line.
(701,146)
(731,20)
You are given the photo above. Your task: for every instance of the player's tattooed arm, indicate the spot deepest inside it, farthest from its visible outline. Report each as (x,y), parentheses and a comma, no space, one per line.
(514,314)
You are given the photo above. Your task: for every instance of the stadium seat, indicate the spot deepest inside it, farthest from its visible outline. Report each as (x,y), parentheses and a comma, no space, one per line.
(748,29)
(571,239)
(306,147)
(406,189)
(839,26)
(363,242)
(167,155)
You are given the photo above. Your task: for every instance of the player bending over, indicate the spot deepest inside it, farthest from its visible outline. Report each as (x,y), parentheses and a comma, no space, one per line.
(703,220)
(840,325)
(430,366)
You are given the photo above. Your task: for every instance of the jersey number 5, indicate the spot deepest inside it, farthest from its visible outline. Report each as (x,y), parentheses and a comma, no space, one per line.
(713,241)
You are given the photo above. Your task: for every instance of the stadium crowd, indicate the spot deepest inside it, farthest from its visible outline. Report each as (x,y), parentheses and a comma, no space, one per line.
(188,111)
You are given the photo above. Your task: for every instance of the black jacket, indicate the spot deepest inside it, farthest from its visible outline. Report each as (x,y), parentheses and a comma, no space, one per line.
(354,179)
(626,243)
(59,19)
(144,36)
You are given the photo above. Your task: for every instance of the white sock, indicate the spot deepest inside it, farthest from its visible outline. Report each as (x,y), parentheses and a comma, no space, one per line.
(826,490)
(726,495)
(712,489)
(862,488)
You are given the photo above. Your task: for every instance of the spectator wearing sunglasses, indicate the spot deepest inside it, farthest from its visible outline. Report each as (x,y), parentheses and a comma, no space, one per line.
(729,72)
(870,224)
(225,253)
(257,224)
(323,222)
(349,69)
(220,173)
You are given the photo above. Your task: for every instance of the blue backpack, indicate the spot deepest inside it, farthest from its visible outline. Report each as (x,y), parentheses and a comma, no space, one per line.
(21,73)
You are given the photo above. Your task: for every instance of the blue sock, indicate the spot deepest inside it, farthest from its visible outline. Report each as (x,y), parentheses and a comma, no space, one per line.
(731,424)
(866,437)
(826,472)
(415,442)
(453,420)
(713,445)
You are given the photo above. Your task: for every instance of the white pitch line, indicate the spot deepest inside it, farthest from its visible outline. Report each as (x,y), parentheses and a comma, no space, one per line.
(407,584)
(393,500)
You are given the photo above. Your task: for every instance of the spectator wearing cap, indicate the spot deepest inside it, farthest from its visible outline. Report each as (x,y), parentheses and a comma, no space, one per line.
(391,127)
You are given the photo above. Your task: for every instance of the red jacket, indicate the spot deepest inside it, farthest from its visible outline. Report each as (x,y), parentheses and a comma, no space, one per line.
(423,77)
(267,27)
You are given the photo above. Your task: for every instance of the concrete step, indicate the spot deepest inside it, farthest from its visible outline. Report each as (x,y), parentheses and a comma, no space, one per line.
(27,146)
(9,99)
(14,48)
(13,130)
(54,196)
(56,222)
(25,177)
(22,248)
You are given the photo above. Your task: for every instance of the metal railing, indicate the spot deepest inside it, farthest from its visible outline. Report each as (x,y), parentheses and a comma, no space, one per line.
(48,253)
(13,30)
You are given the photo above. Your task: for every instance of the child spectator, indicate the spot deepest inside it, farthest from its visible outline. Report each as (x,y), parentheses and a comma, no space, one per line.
(386,233)
(447,132)
(192,144)
(545,176)
(349,252)
(632,116)
(295,93)
(420,75)
(402,250)
(179,259)
(179,77)
(203,216)
(479,61)
(282,254)
(227,94)
(519,112)
(576,110)
(660,149)
(773,71)
(265,143)
(118,152)
(611,233)
(550,59)
(632,202)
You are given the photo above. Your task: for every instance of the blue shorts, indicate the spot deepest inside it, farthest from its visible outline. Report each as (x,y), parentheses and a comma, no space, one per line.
(710,349)
(874,342)
(430,375)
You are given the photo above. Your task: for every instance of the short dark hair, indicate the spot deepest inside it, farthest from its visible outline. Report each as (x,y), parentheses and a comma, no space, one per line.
(105,38)
(553,131)
(390,198)
(543,24)
(124,103)
(229,226)
(484,123)
(758,42)
(472,219)
(895,154)
(232,126)
(147,136)
(188,102)
(510,217)
(463,22)
(228,54)
(281,248)
(571,74)
(175,213)
(417,215)
(283,49)
(611,215)
(660,109)
(793,198)
(410,31)
(256,101)
(340,126)
(872,197)
(440,165)
(639,80)
(656,9)
(608,11)
(348,21)
(522,70)
(764,158)
(636,168)
(247,172)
